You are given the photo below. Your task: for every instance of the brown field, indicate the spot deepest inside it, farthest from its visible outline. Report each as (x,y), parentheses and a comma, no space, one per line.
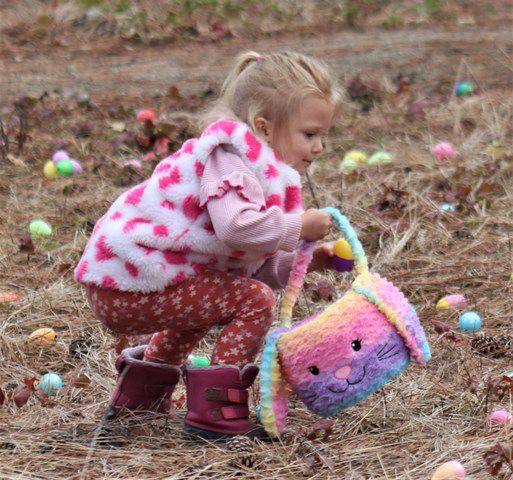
(81,75)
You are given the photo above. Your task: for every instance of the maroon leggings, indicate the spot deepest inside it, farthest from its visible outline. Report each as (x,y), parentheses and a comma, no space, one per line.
(180,316)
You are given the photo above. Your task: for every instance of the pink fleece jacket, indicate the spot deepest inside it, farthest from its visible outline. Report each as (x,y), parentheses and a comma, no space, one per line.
(240,224)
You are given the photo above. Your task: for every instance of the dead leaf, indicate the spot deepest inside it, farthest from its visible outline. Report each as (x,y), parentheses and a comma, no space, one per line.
(2,397)
(120,344)
(22,394)
(441,327)
(16,160)
(26,244)
(81,381)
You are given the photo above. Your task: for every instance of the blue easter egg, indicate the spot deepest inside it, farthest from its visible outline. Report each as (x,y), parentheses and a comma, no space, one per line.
(50,383)
(470,321)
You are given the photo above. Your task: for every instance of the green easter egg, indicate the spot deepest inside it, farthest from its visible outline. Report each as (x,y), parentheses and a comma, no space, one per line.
(464,88)
(348,165)
(380,158)
(65,167)
(39,228)
(50,170)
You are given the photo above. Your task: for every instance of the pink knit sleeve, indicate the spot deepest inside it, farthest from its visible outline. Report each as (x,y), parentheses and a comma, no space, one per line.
(236,205)
(275,271)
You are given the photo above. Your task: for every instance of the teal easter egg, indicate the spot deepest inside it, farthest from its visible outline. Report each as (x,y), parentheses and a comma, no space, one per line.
(380,158)
(39,228)
(50,383)
(65,167)
(470,321)
(464,88)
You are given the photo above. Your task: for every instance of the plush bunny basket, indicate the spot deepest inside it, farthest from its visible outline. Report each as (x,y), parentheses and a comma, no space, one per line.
(338,356)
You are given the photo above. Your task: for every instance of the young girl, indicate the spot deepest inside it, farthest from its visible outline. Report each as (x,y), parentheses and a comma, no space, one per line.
(206,239)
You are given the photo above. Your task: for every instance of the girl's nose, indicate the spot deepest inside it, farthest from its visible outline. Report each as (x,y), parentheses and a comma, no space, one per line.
(343,372)
(318,147)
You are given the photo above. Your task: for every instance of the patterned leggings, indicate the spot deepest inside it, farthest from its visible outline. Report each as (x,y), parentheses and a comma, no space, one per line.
(180,316)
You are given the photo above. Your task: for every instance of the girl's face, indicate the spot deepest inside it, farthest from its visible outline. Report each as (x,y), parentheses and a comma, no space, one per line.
(300,142)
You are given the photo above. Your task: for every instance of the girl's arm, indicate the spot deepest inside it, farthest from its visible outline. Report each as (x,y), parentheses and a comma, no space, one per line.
(236,203)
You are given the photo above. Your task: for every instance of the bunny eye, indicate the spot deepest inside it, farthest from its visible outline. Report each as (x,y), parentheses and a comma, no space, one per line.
(313,370)
(356,344)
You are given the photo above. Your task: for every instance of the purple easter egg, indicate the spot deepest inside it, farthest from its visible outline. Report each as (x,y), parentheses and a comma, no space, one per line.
(342,264)
(77,166)
(59,155)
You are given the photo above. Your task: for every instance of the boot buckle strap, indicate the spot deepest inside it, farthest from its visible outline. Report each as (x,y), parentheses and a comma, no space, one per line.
(233,412)
(227,395)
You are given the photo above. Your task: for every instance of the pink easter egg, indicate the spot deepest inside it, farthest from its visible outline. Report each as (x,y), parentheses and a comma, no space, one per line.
(452,470)
(77,166)
(59,155)
(498,417)
(133,163)
(444,151)
(145,114)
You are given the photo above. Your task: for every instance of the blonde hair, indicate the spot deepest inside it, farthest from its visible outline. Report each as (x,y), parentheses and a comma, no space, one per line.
(272,86)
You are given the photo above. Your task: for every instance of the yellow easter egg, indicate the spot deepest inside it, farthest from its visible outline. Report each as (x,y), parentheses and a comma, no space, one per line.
(50,170)
(358,156)
(442,304)
(342,249)
(42,337)
(449,471)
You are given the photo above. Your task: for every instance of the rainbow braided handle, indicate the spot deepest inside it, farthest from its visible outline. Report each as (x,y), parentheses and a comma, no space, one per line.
(303,258)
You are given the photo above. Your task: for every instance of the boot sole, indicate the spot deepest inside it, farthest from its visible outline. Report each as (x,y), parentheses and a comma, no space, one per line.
(195,432)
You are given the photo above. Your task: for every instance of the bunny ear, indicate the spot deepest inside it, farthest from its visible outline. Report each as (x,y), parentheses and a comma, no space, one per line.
(273,387)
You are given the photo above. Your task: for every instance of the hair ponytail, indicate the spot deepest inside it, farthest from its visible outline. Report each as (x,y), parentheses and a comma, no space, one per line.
(272,87)
(243,61)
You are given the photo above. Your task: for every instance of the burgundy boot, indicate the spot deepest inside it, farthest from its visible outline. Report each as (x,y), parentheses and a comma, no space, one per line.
(142,386)
(217,402)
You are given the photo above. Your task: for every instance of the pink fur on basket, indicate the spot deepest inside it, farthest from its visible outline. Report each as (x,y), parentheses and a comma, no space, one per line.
(340,355)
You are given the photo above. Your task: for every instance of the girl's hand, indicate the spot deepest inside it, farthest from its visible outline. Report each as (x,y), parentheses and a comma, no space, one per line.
(321,258)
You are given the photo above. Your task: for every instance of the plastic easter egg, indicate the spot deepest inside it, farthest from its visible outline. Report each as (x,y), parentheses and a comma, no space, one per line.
(39,228)
(65,167)
(343,259)
(358,156)
(348,165)
(499,417)
(50,383)
(133,163)
(50,170)
(449,471)
(464,88)
(447,207)
(42,337)
(444,151)
(59,155)
(145,114)
(470,321)
(77,166)
(199,360)
(380,158)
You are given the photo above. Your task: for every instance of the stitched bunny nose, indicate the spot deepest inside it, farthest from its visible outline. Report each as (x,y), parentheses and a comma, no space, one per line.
(343,372)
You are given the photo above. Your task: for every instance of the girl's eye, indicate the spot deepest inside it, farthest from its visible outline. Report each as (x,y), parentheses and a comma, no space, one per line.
(309,134)
(313,370)
(356,344)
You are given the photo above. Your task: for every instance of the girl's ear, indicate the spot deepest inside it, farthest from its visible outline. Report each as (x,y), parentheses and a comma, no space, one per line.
(264,128)
(273,389)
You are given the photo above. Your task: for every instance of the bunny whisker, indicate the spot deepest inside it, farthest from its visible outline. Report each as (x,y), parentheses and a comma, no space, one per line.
(381,349)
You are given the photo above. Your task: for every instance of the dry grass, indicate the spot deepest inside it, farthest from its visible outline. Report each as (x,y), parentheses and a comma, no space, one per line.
(423,418)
